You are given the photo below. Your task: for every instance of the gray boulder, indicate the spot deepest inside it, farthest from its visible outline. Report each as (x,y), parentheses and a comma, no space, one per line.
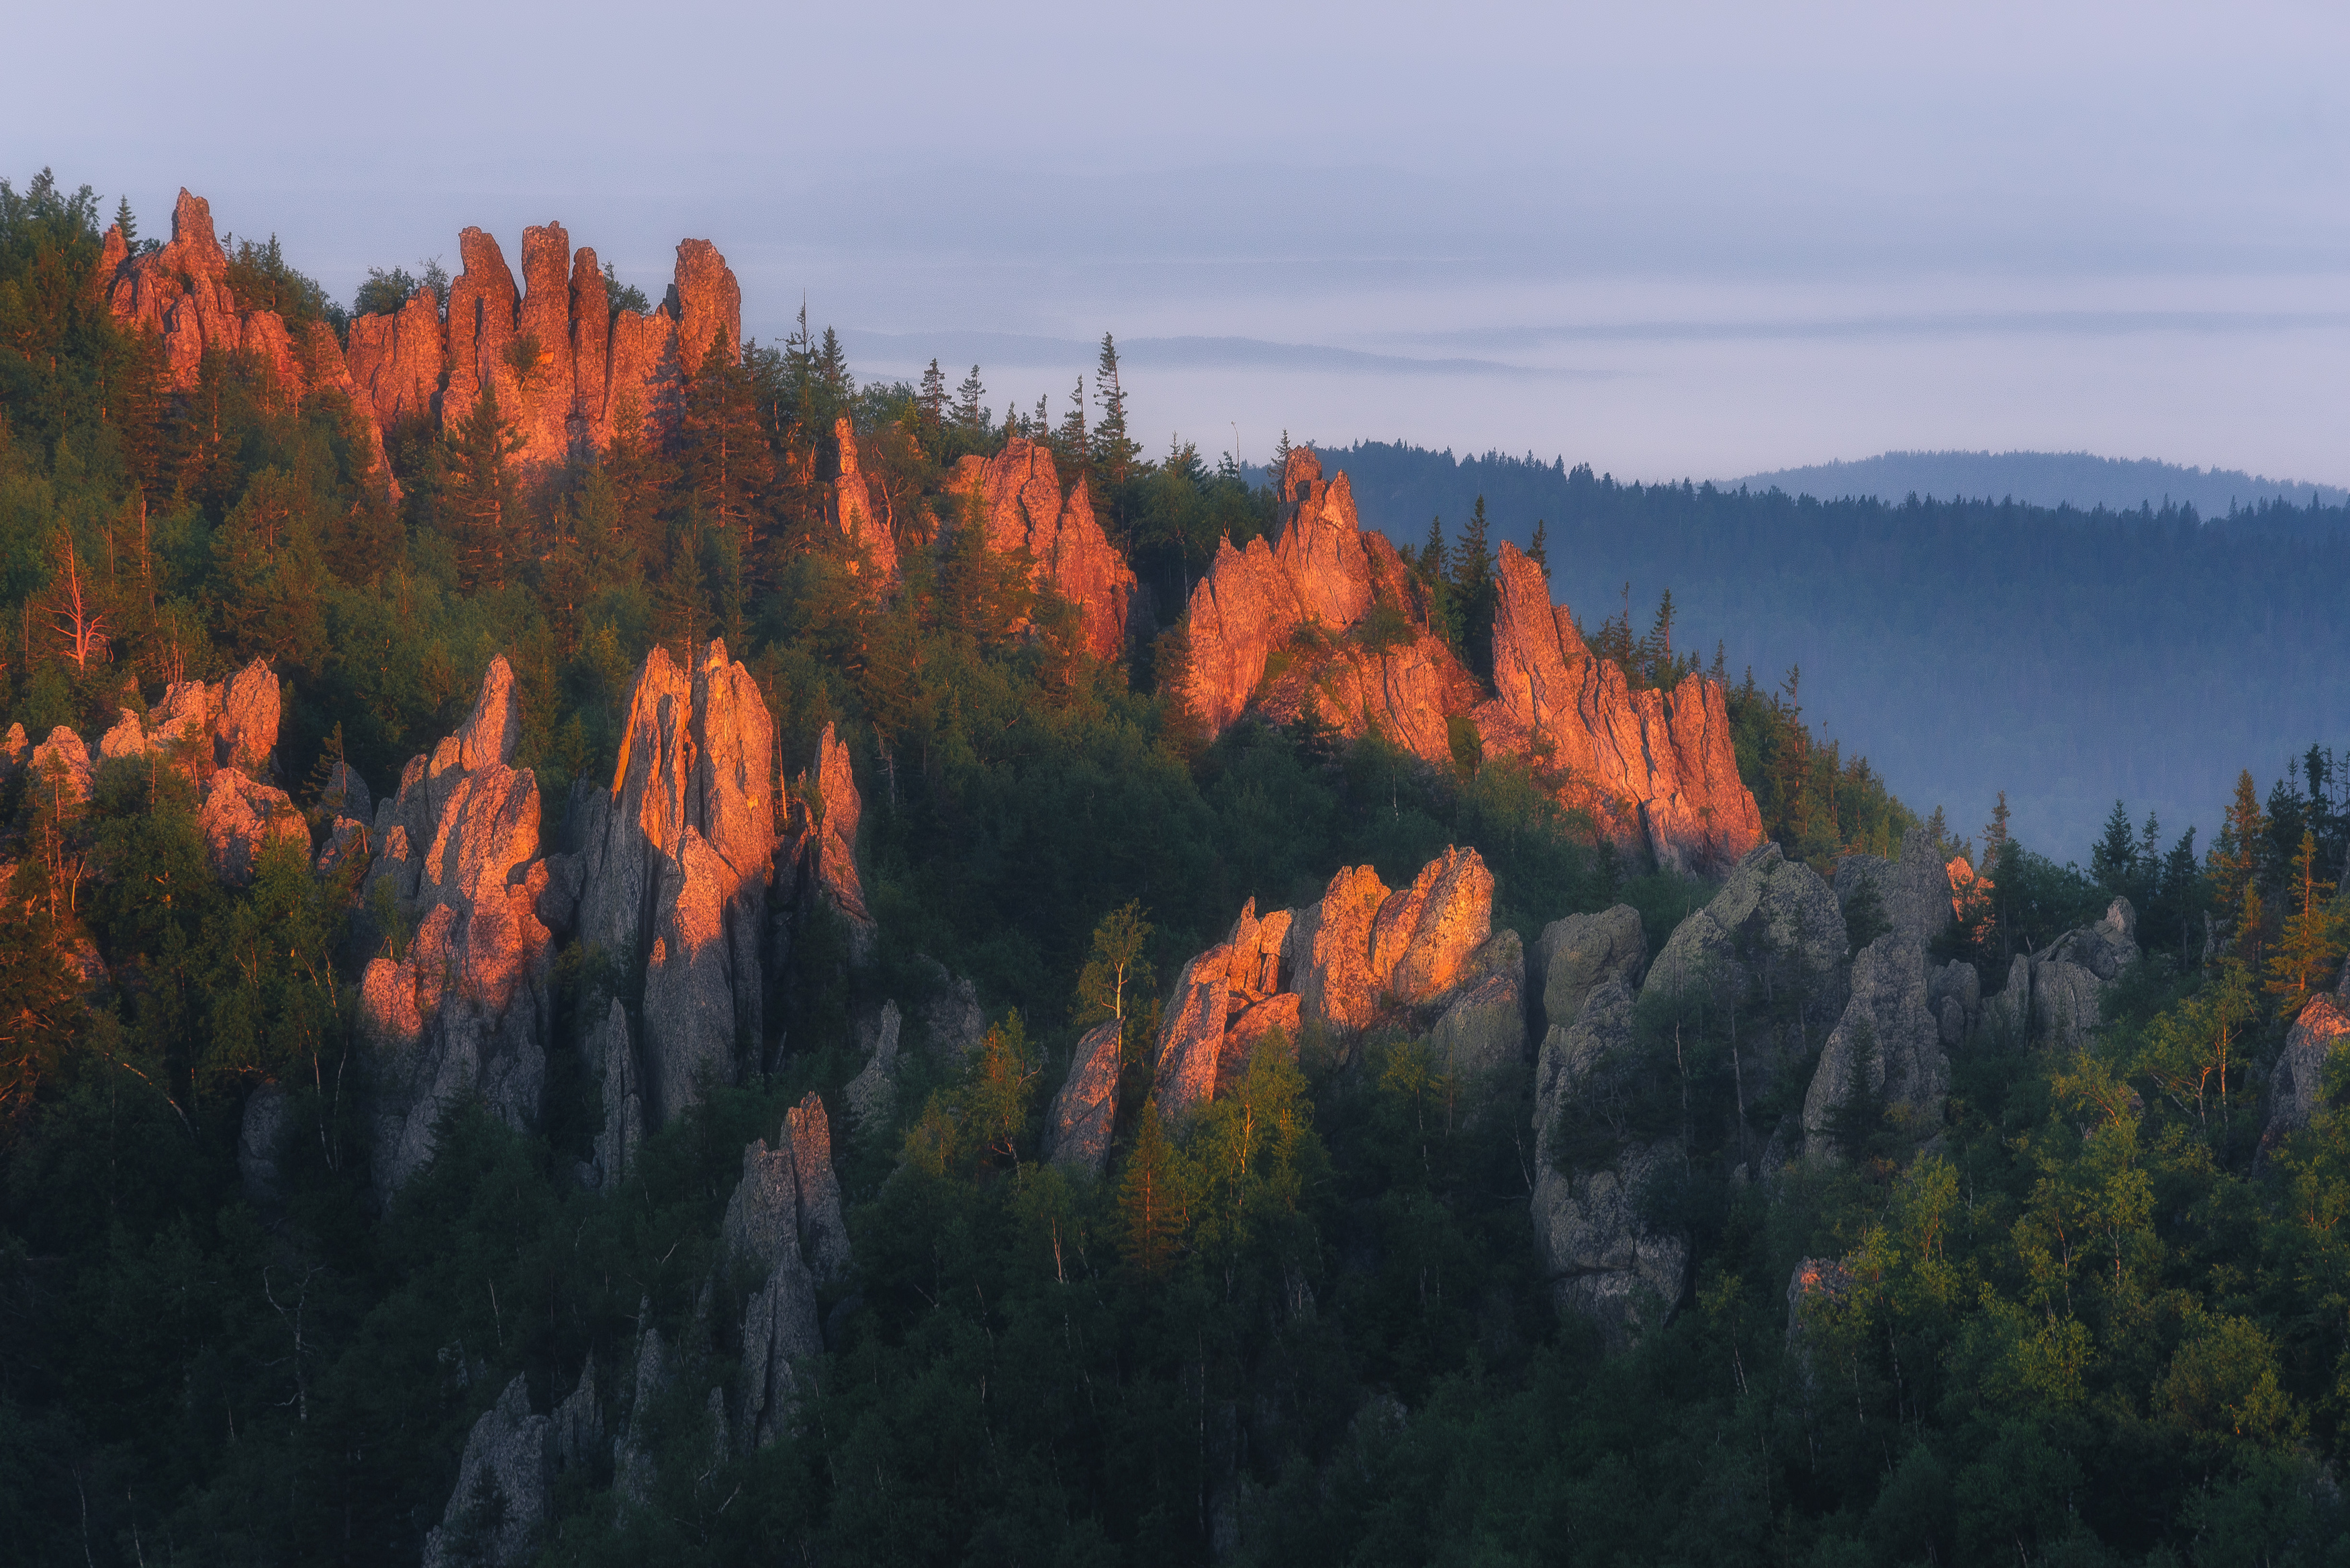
(1913,892)
(503,1488)
(872,1095)
(1600,1259)
(2297,1088)
(239,817)
(1887,1045)
(1577,953)
(781,1332)
(1077,1132)
(1480,1039)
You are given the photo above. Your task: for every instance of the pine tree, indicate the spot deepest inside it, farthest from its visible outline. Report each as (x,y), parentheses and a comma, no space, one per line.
(126,223)
(1114,449)
(933,398)
(2235,861)
(481,495)
(1070,442)
(2113,859)
(1434,563)
(1473,591)
(2309,949)
(1150,1197)
(1657,650)
(1538,549)
(726,458)
(970,413)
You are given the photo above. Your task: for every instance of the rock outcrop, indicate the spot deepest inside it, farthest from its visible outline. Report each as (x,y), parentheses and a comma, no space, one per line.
(1912,893)
(872,547)
(1889,1050)
(1774,929)
(505,1486)
(238,820)
(1015,496)
(1655,769)
(1324,580)
(1598,1259)
(2297,1089)
(464,1007)
(1424,957)
(1329,619)
(825,811)
(674,864)
(180,294)
(1077,1131)
(1886,1049)
(783,1227)
(2052,997)
(61,770)
(395,361)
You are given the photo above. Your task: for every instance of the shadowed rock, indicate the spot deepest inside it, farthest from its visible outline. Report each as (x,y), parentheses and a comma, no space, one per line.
(1886,1047)
(503,1487)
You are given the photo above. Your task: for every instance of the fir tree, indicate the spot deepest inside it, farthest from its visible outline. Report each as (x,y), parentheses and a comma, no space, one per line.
(933,398)
(970,412)
(480,496)
(1538,548)
(1149,1198)
(1113,447)
(127,223)
(2309,948)
(1070,442)
(726,458)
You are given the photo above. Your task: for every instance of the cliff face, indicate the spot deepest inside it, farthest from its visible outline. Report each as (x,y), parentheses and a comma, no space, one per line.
(1015,496)
(1330,618)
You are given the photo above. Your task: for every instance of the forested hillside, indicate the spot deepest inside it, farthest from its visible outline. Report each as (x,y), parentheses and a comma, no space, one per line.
(2070,658)
(700,961)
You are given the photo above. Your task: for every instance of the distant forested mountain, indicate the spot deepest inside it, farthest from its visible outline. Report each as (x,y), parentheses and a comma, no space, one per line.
(2077,479)
(2069,658)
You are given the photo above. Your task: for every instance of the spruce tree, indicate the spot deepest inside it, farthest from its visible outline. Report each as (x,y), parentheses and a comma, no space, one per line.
(1114,449)
(126,223)
(726,458)
(1538,548)
(970,413)
(1071,444)
(933,398)
(1149,1198)
(480,497)
(2309,948)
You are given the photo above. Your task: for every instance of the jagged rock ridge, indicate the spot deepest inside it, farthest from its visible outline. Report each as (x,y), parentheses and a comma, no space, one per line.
(1330,618)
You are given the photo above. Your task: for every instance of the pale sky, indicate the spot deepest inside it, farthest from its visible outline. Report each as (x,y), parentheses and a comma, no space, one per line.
(1694,240)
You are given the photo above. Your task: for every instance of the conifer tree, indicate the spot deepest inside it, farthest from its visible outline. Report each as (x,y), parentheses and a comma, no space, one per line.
(727,460)
(1113,447)
(2234,864)
(126,223)
(1070,442)
(1149,1198)
(481,495)
(933,398)
(970,412)
(1538,548)
(2309,948)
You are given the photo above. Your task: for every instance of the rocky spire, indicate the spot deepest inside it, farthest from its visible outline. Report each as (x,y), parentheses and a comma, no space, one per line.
(543,415)
(1018,501)
(464,1007)
(871,547)
(674,866)
(482,305)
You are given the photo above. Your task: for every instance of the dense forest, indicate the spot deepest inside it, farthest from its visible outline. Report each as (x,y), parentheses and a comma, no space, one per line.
(1967,644)
(2096,1309)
